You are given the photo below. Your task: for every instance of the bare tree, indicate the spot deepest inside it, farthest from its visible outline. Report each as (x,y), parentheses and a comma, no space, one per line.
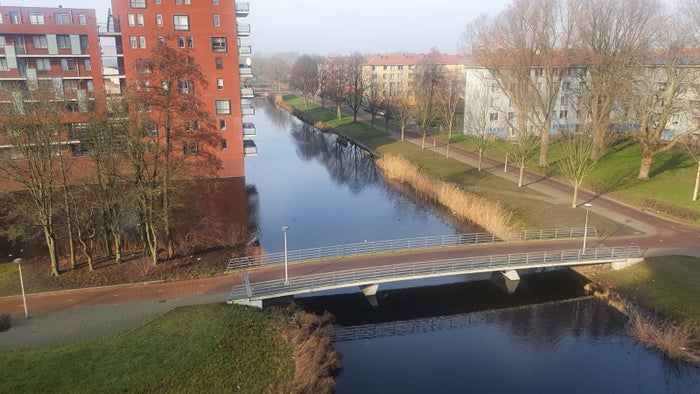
(575,163)
(304,76)
(355,84)
(522,150)
(182,136)
(428,77)
(335,82)
(612,35)
(450,99)
(401,109)
(33,132)
(374,101)
(476,114)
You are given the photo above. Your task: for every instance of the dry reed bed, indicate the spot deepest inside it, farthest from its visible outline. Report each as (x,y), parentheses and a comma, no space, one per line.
(489,214)
(678,341)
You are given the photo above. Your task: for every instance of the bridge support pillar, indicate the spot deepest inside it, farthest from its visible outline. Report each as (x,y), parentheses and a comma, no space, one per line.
(246,301)
(369,290)
(506,280)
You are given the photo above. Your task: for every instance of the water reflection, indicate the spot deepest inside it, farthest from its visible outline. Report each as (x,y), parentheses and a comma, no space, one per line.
(328,192)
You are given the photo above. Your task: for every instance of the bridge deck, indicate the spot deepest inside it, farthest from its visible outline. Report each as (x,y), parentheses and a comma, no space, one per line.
(250,292)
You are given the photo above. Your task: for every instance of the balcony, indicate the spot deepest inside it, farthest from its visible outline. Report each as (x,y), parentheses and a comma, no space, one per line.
(247,110)
(245,50)
(242,9)
(246,72)
(249,148)
(243,30)
(247,92)
(249,129)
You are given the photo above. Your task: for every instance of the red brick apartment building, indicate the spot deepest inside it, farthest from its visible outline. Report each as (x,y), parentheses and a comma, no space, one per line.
(60,47)
(210,32)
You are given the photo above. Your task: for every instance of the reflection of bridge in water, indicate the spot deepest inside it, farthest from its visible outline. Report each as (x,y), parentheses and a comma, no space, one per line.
(424,325)
(375,270)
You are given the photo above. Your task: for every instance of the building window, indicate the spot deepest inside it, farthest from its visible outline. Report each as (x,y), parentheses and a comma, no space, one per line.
(88,65)
(181,42)
(142,42)
(68,64)
(214,2)
(131,20)
(223,107)
(157,2)
(563,114)
(15,18)
(36,18)
(40,42)
(161,40)
(43,65)
(190,60)
(219,63)
(222,124)
(149,129)
(217,20)
(82,21)
(180,2)
(159,20)
(224,144)
(185,85)
(63,41)
(190,42)
(493,116)
(181,22)
(218,44)
(133,42)
(220,83)
(190,149)
(3,64)
(3,42)
(137,3)
(142,66)
(0,18)
(139,20)
(61,19)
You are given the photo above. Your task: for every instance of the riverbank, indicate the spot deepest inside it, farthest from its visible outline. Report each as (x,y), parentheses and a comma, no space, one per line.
(536,212)
(208,348)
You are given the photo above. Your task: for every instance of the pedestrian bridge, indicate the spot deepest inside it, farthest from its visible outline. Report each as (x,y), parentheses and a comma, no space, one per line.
(369,278)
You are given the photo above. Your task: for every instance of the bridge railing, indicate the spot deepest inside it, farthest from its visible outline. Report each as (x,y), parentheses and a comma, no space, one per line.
(405,245)
(475,264)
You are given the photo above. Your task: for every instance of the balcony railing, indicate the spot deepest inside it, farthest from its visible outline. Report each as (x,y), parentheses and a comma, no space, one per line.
(247,92)
(242,9)
(249,129)
(245,50)
(246,72)
(243,30)
(247,110)
(249,148)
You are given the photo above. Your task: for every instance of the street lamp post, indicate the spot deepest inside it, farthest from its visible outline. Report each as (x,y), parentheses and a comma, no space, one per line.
(286,273)
(585,226)
(21,281)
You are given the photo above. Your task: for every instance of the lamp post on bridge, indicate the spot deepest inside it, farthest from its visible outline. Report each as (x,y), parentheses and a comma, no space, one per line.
(286,274)
(585,226)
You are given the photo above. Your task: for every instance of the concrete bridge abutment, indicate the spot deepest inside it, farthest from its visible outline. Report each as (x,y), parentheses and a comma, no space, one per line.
(506,280)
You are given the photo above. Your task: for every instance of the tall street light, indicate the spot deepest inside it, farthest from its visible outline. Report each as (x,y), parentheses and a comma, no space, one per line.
(286,274)
(21,281)
(585,226)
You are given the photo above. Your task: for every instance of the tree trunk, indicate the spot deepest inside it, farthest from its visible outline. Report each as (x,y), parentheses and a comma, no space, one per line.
(647,157)
(520,176)
(544,148)
(422,144)
(403,132)
(573,202)
(338,113)
(53,253)
(481,157)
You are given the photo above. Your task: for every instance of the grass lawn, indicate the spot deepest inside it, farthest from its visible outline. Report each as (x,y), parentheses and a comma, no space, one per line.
(530,208)
(212,348)
(668,284)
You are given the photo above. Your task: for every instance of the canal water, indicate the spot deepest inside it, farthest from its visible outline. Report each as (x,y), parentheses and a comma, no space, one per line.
(454,335)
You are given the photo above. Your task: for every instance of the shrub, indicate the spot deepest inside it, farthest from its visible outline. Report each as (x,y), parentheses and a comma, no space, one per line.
(5,323)
(670,209)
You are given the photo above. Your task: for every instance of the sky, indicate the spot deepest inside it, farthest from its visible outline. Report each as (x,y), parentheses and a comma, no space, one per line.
(334,27)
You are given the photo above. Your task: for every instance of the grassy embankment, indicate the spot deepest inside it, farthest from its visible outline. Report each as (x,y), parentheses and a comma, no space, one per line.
(213,348)
(667,285)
